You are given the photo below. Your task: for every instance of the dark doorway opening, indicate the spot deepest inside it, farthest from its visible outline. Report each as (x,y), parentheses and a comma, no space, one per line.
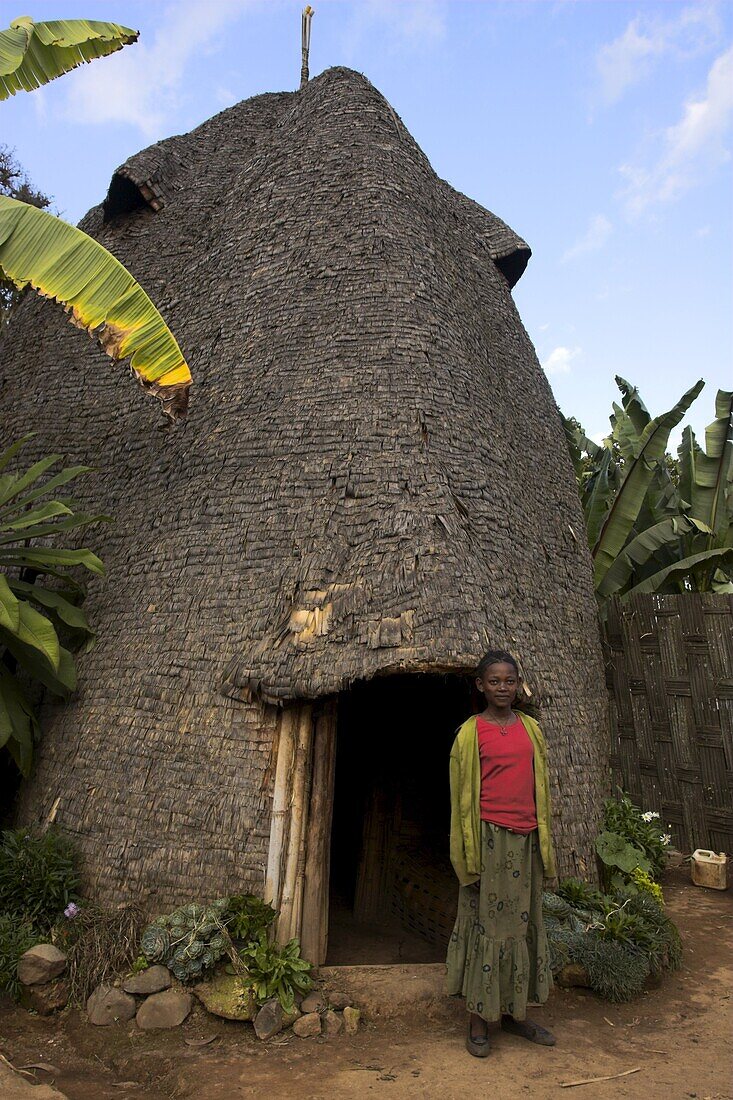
(392,889)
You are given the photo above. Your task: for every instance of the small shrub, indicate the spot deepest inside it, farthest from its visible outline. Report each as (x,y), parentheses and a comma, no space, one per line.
(38,876)
(645,884)
(99,945)
(246,916)
(16,937)
(276,971)
(615,971)
(581,895)
(642,830)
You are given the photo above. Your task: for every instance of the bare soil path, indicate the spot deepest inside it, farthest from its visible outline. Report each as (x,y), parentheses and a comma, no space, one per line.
(680,1035)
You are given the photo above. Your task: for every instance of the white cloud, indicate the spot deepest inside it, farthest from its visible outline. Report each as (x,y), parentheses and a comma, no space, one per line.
(632,56)
(694,146)
(595,236)
(559,360)
(140,84)
(414,24)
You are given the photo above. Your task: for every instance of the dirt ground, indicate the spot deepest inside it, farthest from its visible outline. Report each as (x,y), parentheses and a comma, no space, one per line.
(679,1035)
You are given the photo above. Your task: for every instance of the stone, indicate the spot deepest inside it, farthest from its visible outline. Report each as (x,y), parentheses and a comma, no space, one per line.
(40,964)
(227,995)
(573,975)
(351,1020)
(269,1020)
(167,1009)
(314,1002)
(47,998)
(307,1026)
(339,1001)
(153,980)
(331,1023)
(108,1005)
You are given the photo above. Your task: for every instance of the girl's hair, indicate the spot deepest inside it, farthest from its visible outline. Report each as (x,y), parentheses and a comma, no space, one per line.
(495,657)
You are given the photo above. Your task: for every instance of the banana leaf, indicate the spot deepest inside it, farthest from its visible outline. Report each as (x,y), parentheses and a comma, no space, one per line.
(598,496)
(633,404)
(706,477)
(632,491)
(18,725)
(646,546)
(625,434)
(32,54)
(680,569)
(62,263)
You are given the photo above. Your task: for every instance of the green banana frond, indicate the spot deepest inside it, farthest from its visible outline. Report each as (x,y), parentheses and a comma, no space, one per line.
(687,567)
(63,263)
(33,54)
(638,474)
(706,476)
(647,546)
(633,404)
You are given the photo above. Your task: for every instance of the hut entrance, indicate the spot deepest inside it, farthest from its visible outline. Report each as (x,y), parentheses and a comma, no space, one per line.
(392,888)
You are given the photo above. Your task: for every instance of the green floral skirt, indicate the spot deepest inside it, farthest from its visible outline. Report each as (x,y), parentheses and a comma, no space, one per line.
(498,955)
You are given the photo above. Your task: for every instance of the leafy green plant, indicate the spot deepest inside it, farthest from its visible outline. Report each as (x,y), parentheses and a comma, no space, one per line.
(189,941)
(581,895)
(16,937)
(35,617)
(246,916)
(140,964)
(277,971)
(644,883)
(39,876)
(618,943)
(641,829)
(616,851)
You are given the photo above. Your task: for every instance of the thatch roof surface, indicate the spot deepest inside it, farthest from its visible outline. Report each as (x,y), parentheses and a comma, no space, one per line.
(373,476)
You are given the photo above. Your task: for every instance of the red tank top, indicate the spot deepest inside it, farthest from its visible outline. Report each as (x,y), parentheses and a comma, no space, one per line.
(507,775)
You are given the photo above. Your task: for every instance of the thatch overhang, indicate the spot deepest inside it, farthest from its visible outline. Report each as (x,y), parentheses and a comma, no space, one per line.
(373,478)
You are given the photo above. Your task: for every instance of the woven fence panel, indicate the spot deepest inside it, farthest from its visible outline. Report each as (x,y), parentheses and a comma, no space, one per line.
(669,668)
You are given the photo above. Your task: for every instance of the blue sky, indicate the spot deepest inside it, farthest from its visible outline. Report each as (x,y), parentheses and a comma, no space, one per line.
(601,132)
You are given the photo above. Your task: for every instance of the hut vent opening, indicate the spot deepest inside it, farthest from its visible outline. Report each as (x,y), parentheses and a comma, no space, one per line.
(125,196)
(392,888)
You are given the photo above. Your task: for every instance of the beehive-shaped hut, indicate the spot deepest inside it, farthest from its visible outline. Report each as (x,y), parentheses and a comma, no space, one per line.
(371,489)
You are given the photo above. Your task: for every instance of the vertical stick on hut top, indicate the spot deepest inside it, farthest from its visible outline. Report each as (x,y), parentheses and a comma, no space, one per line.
(305,43)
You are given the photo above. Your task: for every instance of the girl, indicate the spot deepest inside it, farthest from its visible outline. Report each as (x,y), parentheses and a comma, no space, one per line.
(500,845)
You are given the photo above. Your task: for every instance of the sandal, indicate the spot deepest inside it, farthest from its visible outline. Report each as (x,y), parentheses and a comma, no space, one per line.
(528,1029)
(478,1047)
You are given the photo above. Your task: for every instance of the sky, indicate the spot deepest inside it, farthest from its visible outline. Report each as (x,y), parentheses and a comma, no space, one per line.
(600,130)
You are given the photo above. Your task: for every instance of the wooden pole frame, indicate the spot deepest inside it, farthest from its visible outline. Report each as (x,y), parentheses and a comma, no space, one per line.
(299,858)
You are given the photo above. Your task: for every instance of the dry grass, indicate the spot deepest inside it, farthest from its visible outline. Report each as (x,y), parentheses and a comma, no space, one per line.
(101,944)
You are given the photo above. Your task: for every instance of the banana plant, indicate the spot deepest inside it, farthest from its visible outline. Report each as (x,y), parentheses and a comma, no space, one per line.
(35,618)
(32,54)
(652,526)
(60,261)
(63,263)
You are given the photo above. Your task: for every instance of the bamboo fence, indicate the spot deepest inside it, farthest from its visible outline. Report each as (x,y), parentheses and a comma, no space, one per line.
(669,668)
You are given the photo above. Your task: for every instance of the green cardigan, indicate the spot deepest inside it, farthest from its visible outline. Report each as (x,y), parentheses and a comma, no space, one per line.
(465,801)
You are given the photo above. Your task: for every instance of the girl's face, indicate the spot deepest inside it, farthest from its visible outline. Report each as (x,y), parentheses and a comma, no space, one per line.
(499,684)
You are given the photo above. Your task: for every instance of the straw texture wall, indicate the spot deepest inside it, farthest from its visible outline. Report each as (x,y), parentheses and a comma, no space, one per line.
(670,674)
(373,478)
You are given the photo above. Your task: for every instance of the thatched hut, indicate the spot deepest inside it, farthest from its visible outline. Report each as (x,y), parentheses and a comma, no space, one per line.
(372,488)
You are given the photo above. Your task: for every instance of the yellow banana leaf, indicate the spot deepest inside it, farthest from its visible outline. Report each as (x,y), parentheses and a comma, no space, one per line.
(32,54)
(63,263)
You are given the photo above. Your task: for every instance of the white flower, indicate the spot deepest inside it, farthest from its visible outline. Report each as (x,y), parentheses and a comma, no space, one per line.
(666,838)
(650,815)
